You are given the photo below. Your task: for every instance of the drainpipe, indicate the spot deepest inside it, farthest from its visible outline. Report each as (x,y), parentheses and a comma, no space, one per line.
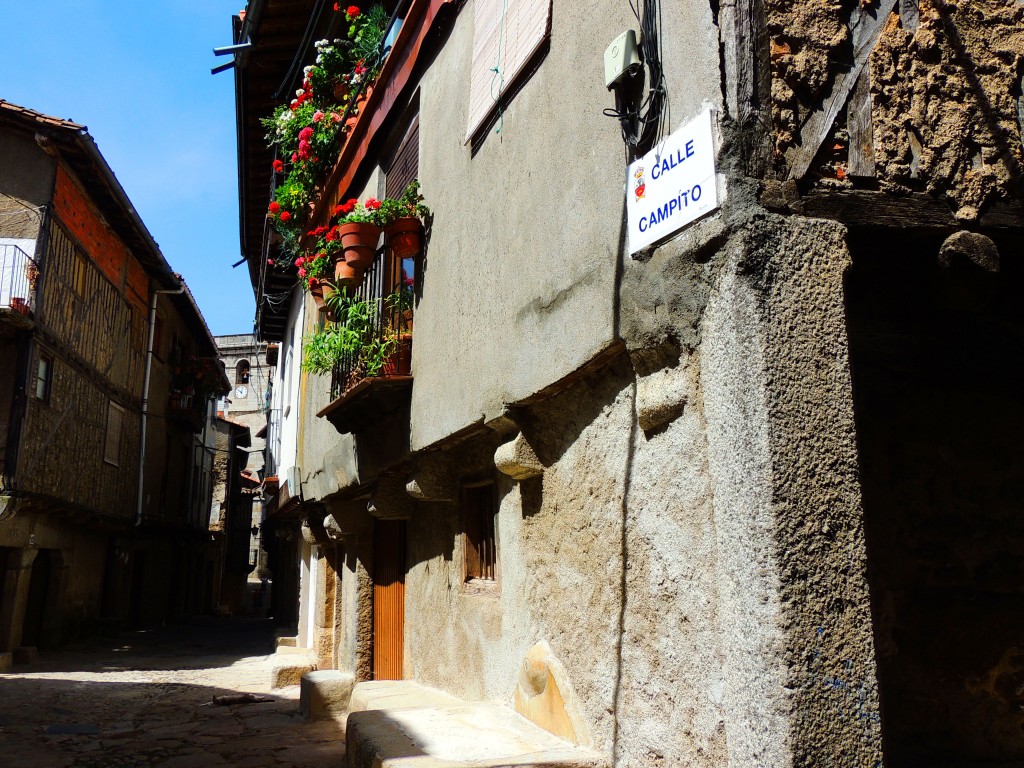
(145,393)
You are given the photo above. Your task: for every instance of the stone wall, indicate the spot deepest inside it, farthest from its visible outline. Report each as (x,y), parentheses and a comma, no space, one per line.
(946,117)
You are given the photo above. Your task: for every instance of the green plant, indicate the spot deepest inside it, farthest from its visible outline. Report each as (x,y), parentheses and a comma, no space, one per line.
(366,32)
(322,350)
(334,60)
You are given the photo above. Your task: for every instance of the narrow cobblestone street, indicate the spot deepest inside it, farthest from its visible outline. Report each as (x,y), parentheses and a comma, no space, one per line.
(144,699)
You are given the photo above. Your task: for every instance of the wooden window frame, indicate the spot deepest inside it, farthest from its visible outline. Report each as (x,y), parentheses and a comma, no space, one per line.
(114,461)
(478,510)
(46,380)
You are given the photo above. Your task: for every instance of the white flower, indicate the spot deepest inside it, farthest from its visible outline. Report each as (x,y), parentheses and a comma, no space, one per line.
(307,70)
(299,92)
(319,59)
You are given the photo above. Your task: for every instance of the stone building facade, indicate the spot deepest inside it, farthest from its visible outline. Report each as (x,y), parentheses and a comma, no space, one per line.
(104,409)
(744,497)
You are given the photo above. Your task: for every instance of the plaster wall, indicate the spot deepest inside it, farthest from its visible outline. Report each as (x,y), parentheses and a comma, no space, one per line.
(328,460)
(518,283)
(609,496)
(286,387)
(719,552)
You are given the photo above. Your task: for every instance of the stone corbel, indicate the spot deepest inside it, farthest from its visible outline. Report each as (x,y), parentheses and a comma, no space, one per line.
(517,459)
(390,500)
(313,531)
(432,480)
(663,385)
(346,518)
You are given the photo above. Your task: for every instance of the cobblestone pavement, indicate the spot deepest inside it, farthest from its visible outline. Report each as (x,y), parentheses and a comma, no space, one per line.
(143,699)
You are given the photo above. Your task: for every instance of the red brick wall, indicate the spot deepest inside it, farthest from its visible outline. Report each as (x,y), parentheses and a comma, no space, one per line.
(81,219)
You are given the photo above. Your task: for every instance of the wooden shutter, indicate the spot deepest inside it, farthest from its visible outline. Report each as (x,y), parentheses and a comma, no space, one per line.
(478,509)
(506,33)
(406,164)
(388,599)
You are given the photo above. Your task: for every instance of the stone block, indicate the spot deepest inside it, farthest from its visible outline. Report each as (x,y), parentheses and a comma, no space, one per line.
(518,460)
(6,662)
(325,693)
(286,641)
(290,669)
(25,654)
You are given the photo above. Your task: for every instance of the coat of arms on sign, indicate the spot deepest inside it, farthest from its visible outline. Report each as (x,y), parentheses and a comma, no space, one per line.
(640,186)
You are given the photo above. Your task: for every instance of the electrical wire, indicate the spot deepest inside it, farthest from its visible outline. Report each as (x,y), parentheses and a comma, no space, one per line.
(644,124)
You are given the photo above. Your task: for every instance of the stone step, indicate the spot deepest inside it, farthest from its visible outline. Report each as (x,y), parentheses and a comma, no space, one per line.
(289,668)
(401,724)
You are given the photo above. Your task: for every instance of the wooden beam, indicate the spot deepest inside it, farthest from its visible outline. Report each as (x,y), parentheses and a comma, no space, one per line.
(858,124)
(910,14)
(866,29)
(913,211)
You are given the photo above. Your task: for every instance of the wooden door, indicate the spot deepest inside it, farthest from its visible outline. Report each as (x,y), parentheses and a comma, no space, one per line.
(388,598)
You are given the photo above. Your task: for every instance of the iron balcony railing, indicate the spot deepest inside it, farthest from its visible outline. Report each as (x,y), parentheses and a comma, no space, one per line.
(385,276)
(19,275)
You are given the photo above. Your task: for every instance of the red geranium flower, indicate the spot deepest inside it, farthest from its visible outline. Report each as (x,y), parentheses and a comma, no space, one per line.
(275,207)
(278,166)
(352,11)
(372,204)
(285,216)
(337,6)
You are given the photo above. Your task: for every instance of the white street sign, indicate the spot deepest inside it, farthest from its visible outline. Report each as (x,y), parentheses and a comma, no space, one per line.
(672,185)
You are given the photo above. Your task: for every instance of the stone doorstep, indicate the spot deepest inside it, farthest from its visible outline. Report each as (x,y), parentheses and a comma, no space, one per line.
(284,650)
(290,669)
(325,693)
(286,641)
(6,662)
(406,725)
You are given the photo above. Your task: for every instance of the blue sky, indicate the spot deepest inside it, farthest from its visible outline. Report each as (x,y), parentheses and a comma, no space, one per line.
(138,75)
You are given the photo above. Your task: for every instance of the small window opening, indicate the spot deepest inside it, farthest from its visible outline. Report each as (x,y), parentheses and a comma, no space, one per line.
(479,505)
(44,378)
(242,372)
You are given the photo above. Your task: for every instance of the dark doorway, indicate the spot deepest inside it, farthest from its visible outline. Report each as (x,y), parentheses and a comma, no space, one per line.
(938,363)
(138,590)
(36,606)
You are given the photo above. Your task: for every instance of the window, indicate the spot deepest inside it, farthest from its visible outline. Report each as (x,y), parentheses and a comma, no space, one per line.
(79,272)
(158,337)
(479,505)
(242,372)
(115,423)
(44,378)
(506,35)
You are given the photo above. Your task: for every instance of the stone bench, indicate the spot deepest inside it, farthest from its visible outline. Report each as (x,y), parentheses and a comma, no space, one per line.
(402,724)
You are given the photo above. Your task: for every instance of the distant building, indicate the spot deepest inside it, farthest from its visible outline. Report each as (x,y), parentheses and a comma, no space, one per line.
(247,404)
(106,396)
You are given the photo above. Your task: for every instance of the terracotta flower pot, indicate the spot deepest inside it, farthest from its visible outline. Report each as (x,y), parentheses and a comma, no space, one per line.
(404,237)
(347,276)
(359,242)
(400,362)
(316,290)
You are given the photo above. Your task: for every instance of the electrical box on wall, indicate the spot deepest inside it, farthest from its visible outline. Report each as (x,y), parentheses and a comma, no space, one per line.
(621,58)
